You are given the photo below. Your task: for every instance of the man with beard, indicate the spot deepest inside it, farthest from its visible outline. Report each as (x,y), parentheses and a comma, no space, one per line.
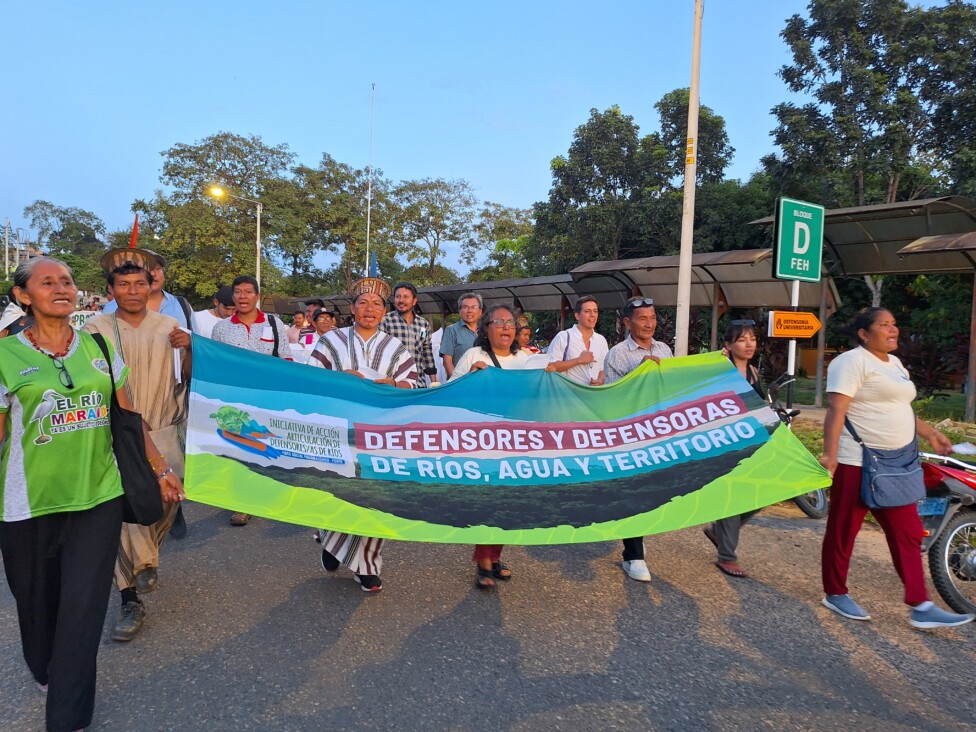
(363,350)
(640,319)
(145,339)
(411,329)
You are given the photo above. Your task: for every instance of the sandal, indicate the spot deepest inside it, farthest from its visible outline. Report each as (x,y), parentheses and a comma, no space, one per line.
(732,569)
(483,580)
(501,571)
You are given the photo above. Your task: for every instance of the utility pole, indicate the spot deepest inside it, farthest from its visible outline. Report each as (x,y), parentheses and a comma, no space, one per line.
(688,206)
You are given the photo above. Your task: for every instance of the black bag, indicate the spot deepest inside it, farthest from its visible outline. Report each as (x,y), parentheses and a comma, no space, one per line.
(889,478)
(141,502)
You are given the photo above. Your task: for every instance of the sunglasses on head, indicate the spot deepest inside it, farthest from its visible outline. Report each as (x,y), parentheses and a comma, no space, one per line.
(636,302)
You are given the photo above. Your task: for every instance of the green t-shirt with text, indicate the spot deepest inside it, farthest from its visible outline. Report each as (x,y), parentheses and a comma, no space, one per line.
(58,452)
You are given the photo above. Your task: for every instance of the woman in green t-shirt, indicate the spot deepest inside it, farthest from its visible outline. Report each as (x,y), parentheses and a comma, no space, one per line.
(60,489)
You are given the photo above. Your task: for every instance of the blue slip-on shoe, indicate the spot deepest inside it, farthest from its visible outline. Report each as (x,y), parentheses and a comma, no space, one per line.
(936,617)
(844,605)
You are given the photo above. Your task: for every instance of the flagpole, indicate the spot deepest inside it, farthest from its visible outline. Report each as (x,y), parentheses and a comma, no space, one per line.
(369,183)
(6,251)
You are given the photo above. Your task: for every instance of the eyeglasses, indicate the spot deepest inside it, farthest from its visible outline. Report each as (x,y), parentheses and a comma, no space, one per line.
(742,322)
(471,307)
(63,372)
(499,323)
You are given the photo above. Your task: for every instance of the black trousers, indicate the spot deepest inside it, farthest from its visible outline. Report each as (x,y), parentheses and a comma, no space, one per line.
(59,568)
(633,548)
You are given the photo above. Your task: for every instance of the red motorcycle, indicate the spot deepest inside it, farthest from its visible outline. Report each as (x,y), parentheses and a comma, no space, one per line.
(948,515)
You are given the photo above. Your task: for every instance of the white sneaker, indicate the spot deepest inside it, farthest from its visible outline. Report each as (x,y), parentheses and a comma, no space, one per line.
(636,569)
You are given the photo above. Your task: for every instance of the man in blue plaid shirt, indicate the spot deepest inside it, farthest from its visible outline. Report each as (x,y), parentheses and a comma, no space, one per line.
(411,329)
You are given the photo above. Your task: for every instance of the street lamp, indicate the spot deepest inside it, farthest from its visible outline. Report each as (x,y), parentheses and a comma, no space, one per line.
(218,192)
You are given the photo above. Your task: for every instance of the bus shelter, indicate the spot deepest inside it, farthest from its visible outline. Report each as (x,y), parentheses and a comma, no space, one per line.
(952,253)
(875,240)
(719,280)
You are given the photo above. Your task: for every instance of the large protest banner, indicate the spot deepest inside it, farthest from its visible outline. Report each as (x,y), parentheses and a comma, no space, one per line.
(513,457)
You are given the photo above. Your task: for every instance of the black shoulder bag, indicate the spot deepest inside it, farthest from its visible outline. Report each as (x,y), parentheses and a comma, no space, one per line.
(274,331)
(141,500)
(889,478)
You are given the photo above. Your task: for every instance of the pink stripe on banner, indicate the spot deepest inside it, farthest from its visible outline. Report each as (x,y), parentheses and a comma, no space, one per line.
(525,437)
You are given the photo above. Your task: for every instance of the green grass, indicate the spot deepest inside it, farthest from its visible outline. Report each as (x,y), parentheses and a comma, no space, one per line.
(811,435)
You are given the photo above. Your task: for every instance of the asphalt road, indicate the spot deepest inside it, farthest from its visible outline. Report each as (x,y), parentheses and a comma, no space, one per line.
(246,632)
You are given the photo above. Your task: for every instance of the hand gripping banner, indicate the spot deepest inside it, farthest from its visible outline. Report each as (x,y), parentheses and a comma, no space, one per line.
(497,457)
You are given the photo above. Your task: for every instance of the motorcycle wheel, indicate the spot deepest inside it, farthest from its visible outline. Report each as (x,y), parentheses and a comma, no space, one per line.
(952,562)
(813,504)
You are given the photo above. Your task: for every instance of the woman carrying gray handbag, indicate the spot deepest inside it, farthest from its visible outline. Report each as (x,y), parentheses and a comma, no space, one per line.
(870,388)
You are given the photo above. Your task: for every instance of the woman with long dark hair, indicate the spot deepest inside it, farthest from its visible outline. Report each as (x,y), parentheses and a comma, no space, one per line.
(495,346)
(740,344)
(869,386)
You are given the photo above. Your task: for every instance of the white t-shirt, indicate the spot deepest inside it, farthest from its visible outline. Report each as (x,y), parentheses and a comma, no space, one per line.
(435,345)
(569,344)
(881,410)
(202,323)
(518,360)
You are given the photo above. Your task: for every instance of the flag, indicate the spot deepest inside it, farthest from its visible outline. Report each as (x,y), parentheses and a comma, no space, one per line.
(374,267)
(496,457)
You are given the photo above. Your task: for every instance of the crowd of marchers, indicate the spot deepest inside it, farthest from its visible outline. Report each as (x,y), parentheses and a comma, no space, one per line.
(62,537)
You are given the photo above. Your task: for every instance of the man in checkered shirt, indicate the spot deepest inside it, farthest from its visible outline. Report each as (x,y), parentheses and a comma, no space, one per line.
(411,329)
(640,320)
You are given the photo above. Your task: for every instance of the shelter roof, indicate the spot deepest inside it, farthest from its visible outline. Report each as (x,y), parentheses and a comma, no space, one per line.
(867,240)
(956,252)
(745,277)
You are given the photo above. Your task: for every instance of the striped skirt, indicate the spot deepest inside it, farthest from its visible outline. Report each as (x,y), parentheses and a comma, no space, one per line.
(359,554)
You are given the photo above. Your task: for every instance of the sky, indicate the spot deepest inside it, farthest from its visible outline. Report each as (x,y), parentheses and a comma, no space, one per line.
(488,93)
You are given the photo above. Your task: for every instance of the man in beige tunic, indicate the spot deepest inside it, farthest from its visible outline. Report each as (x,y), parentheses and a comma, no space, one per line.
(148,341)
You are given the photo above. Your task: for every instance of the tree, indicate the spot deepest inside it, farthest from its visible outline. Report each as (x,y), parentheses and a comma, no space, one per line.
(209,242)
(496,223)
(859,134)
(241,164)
(594,192)
(617,194)
(206,245)
(870,67)
(506,261)
(433,212)
(335,213)
(949,87)
(66,230)
(714,151)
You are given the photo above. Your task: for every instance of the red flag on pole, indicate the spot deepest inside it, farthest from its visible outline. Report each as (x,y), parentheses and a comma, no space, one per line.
(133,240)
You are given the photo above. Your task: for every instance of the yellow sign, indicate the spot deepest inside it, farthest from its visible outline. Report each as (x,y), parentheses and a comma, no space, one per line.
(787,324)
